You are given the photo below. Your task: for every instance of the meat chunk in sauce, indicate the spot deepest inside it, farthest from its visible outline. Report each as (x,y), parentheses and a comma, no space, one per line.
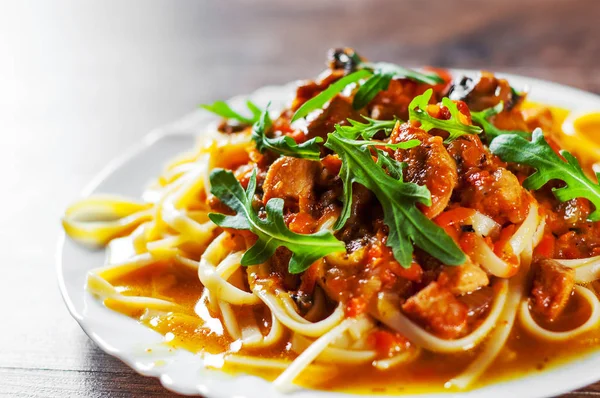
(438,310)
(497,194)
(362,210)
(428,164)
(394,101)
(337,112)
(485,185)
(462,279)
(552,286)
(292,179)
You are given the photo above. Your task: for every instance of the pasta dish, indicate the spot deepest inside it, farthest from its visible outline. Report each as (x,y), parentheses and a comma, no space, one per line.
(390,230)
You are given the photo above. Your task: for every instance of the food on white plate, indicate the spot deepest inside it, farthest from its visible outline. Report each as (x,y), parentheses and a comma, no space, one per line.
(391,230)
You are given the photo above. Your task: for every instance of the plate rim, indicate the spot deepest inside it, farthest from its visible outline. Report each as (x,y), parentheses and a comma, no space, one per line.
(173,129)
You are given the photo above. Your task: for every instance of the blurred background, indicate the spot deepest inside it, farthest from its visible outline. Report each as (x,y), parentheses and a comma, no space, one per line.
(81,80)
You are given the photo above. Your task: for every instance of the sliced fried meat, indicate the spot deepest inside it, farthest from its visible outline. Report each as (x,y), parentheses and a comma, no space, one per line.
(437,309)
(337,112)
(428,164)
(292,179)
(484,184)
(462,279)
(552,286)
(496,193)
(394,101)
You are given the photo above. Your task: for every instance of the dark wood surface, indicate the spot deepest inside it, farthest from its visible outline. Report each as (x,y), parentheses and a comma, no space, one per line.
(81,80)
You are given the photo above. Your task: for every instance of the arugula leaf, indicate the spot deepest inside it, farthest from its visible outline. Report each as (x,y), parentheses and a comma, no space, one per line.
(393,167)
(284,145)
(223,109)
(379,81)
(379,76)
(318,101)
(417,110)
(491,131)
(383,73)
(538,154)
(366,130)
(366,143)
(406,223)
(272,231)
(400,145)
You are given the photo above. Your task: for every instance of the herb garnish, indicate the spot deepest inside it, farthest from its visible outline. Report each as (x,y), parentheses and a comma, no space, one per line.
(378,76)
(284,145)
(366,130)
(351,135)
(393,167)
(319,100)
(223,109)
(538,154)
(491,131)
(383,73)
(418,111)
(406,223)
(271,231)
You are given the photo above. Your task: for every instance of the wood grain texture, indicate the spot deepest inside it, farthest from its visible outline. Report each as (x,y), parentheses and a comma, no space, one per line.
(82,80)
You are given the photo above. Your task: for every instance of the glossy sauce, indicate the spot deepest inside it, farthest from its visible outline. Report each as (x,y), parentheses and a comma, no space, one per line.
(523,355)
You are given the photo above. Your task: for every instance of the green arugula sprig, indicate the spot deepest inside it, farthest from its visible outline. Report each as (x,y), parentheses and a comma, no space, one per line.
(271,231)
(319,100)
(366,130)
(223,109)
(351,140)
(394,168)
(284,145)
(406,223)
(417,110)
(538,154)
(376,76)
(482,118)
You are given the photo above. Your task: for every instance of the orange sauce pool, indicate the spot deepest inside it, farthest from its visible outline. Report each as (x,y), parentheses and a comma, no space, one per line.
(522,355)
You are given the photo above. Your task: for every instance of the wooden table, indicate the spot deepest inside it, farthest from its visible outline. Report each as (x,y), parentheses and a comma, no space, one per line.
(81,80)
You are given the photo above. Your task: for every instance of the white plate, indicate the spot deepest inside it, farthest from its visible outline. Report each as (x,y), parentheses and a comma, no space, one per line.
(182,371)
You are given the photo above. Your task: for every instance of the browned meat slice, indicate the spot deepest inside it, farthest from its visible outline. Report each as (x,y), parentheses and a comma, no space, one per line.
(428,164)
(497,194)
(337,112)
(469,152)
(464,278)
(279,270)
(292,179)
(308,89)
(394,101)
(484,184)
(438,310)
(478,303)
(552,286)
(362,211)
